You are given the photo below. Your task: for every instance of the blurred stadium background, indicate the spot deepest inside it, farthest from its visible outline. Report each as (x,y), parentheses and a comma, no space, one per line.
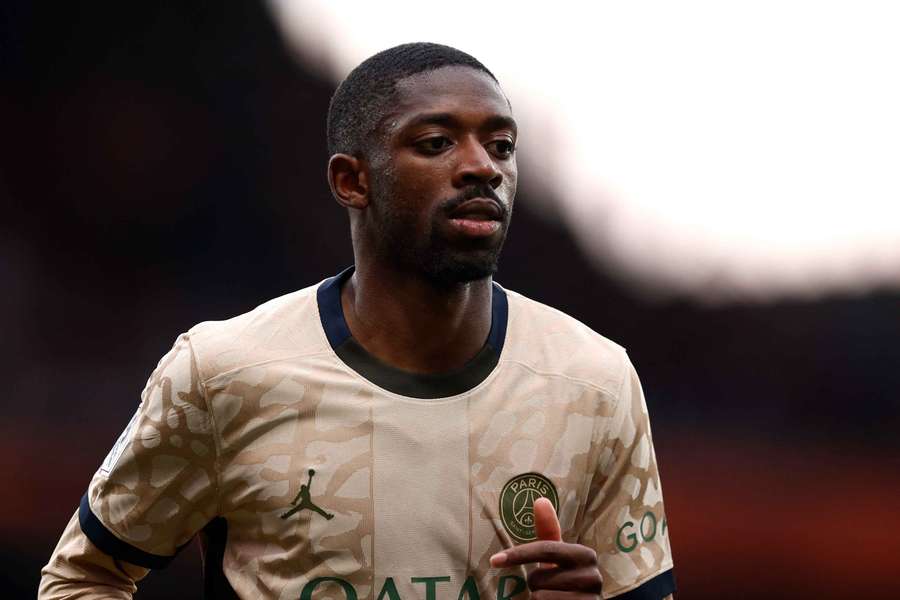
(162,164)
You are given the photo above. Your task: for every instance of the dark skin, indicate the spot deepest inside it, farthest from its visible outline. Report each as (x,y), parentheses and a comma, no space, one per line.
(388,303)
(564,570)
(451,130)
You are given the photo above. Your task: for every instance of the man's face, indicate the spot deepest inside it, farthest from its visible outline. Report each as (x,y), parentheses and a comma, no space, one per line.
(443,183)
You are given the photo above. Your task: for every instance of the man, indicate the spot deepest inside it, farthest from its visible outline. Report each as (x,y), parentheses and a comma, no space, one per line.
(428,424)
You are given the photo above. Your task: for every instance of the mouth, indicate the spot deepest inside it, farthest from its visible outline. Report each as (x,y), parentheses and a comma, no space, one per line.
(478,209)
(478,217)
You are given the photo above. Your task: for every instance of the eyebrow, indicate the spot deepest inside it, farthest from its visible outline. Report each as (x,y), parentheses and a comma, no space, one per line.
(449,120)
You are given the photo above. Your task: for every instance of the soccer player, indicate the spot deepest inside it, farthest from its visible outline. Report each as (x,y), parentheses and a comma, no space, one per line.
(405,430)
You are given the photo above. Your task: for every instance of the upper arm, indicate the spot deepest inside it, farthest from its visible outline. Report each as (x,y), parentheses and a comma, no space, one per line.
(624,519)
(157,488)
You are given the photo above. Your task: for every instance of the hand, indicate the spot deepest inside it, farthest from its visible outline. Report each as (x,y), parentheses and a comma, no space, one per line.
(565,571)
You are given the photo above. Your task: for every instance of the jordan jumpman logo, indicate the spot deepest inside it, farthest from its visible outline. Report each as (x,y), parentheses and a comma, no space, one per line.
(302,500)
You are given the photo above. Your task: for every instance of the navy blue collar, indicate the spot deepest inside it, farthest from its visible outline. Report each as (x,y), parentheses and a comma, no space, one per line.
(414,385)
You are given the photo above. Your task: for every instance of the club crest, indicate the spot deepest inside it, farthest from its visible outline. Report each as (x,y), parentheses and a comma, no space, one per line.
(517,504)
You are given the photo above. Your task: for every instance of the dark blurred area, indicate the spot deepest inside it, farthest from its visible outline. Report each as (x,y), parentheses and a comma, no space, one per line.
(163,164)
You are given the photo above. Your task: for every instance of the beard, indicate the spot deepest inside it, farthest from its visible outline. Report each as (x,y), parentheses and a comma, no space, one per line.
(431,254)
(447,266)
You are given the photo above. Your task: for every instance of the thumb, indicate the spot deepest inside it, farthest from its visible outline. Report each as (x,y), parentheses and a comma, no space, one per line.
(546,524)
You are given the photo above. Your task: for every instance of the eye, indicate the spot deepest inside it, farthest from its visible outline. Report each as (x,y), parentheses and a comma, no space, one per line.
(434,145)
(503,148)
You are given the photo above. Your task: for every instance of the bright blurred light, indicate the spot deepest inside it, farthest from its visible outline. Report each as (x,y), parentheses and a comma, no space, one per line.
(720,150)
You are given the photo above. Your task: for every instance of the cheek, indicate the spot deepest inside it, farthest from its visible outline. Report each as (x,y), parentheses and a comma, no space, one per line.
(418,190)
(405,210)
(510,181)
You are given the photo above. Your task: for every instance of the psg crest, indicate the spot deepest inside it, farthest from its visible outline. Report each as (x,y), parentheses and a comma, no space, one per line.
(517,504)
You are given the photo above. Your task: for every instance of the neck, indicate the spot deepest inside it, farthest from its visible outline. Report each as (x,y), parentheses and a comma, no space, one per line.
(412,324)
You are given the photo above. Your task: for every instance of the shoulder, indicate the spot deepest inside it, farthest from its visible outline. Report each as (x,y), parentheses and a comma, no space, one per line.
(284,327)
(548,341)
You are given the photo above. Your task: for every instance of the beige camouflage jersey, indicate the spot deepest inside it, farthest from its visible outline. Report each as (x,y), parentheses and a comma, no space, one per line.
(314,472)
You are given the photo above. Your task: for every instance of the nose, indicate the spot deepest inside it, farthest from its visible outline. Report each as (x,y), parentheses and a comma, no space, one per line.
(476,166)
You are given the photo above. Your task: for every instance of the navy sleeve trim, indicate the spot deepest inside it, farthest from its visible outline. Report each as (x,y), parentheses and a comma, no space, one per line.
(655,588)
(110,544)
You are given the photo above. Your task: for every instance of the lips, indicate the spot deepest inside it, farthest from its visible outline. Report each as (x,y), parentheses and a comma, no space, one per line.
(476,218)
(477,209)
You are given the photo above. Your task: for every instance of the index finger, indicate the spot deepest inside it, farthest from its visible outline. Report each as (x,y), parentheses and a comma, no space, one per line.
(546,523)
(542,551)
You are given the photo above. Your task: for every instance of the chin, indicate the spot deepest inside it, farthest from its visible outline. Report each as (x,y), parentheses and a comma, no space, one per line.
(449,271)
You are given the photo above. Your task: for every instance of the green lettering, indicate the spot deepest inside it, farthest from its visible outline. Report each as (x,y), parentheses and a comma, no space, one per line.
(389,588)
(630,536)
(430,585)
(648,536)
(665,526)
(308,589)
(518,587)
(469,588)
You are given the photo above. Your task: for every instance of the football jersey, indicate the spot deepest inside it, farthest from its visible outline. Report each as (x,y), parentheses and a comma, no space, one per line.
(315,471)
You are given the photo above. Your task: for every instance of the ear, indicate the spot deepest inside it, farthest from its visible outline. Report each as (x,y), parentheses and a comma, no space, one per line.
(349,181)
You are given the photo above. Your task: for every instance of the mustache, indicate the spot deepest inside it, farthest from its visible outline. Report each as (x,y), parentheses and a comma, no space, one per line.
(483,190)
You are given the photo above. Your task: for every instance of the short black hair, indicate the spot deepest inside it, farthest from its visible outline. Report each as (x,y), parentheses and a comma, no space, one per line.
(360,101)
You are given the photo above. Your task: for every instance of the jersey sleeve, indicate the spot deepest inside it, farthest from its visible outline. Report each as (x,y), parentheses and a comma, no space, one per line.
(158,486)
(78,569)
(625,521)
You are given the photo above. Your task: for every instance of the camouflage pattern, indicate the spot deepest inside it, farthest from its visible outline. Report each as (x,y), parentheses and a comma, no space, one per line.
(239,412)
(162,488)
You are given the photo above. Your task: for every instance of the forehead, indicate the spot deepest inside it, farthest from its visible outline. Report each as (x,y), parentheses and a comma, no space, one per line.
(456,89)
